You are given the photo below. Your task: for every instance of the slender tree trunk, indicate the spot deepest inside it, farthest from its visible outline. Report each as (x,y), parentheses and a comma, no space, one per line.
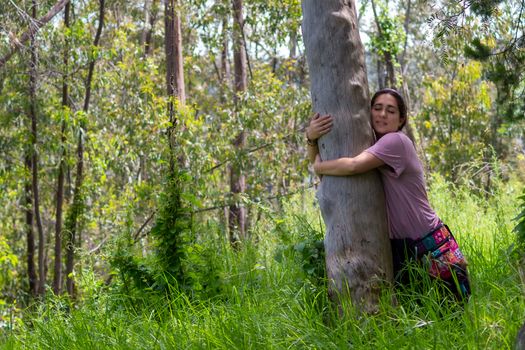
(77,208)
(237,214)
(151,18)
(390,71)
(147,15)
(292,73)
(503,96)
(380,80)
(358,255)
(405,28)
(225,76)
(387,55)
(293,45)
(34,160)
(174,58)
(30,234)
(174,72)
(57,279)
(225,56)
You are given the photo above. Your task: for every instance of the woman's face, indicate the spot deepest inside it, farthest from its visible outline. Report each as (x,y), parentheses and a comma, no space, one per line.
(385,114)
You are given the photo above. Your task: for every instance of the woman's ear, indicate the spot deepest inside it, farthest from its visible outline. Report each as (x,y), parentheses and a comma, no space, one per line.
(402,122)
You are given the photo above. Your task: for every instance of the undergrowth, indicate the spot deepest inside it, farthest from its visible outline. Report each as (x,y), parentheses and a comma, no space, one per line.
(273,293)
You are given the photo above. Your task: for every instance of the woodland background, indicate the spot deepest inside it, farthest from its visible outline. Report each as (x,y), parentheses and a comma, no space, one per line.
(123,193)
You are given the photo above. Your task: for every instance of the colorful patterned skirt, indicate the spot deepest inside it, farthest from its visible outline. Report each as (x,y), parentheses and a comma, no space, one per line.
(438,252)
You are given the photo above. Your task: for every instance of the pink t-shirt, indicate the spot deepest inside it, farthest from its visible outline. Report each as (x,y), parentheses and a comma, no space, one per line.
(408,210)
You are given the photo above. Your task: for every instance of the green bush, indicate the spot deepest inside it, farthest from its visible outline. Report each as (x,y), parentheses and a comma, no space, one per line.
(177,260)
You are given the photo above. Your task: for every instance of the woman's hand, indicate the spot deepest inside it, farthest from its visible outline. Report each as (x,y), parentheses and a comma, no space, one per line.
(319,125)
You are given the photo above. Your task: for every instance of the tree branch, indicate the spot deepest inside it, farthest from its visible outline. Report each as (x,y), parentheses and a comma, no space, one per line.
(16,44)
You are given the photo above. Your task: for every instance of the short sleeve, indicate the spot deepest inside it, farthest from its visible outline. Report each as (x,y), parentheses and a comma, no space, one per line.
(391,150)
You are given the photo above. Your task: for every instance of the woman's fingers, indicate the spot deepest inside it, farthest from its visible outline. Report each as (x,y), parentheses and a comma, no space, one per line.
(322,121)
(319,125)
(324,124)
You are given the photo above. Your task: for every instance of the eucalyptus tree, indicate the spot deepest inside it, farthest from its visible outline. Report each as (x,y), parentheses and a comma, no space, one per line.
(358,255)
(272,107)
(151,12)
(387,42)
(176,90)
(33,115)
(73,224)
(237,211)
(57,267)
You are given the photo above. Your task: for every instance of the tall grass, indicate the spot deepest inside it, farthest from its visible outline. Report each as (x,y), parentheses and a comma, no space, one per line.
(274,298)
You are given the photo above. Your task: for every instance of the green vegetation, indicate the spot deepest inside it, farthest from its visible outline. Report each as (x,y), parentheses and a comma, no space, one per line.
(272,299)
(141,241)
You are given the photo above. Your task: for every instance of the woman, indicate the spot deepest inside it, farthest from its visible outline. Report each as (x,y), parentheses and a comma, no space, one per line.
(416,232)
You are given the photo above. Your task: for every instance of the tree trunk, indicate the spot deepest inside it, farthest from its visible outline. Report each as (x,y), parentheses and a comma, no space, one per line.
(387,55)
(358,255)
(390,71)
(174,58)
(30,233)
(406,23)
(34,160)
(77,208)
(57,279)
(225,77)
(174,72)
(225,56)
(147,14)
(380,78)
(152,10)
(237,213)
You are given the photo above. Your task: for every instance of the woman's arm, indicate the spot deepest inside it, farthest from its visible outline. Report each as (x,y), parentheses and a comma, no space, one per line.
(318,126)
(347,166)
(313,151)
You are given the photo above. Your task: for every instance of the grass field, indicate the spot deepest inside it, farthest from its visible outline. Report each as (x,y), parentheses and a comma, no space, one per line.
(274,299)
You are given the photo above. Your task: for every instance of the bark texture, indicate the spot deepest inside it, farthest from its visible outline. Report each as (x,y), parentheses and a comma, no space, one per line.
(30,233)
(358,256)
(42,264)
(174,75)
(237,212)
(57,268)
(174,58)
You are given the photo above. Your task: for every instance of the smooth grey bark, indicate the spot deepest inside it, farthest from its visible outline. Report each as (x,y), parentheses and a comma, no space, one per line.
(358,255)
